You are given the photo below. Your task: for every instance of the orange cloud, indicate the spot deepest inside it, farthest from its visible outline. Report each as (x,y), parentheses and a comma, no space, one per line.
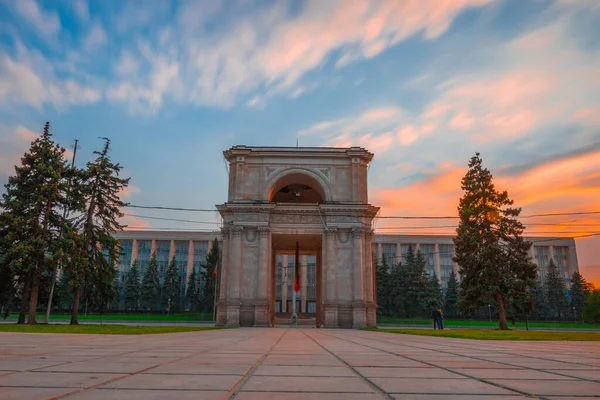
(133,223)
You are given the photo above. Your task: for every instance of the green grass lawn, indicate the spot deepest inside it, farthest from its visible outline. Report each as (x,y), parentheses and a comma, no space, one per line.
(125,317)
(466,322)
(102,329)
(497,335)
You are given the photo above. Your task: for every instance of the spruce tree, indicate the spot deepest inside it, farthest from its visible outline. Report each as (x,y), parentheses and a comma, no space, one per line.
(32,215)
(172,288)
(397,290)
(209,276)
(383,293)
(451,297)
(192,297)
(150,291)
(591,308)
(540,307)
(132,287)
(489,246)
(555,289)
(434,298)
(580,289)
(98,223)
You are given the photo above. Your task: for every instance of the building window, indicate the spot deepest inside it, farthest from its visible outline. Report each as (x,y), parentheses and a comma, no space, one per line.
(404,250)
(445,263)
(181,260)
(542,259)
(163,248)
(389,254)
(126,247)
(200,252)
(143,257)
(427,251)
(561,259)
(311,278)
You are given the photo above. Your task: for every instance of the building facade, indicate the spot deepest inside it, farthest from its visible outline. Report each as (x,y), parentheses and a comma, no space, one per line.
(315,198)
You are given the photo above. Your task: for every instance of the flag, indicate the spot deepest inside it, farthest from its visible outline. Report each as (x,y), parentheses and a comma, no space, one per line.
(297,270)
(215,272)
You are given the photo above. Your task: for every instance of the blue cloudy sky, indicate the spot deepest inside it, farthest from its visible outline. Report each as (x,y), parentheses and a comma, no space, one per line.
(423,84)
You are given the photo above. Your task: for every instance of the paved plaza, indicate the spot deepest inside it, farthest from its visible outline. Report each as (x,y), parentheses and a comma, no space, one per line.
(263,364)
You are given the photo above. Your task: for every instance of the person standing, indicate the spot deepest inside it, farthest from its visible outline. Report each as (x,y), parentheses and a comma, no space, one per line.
(440,318)
(435,315)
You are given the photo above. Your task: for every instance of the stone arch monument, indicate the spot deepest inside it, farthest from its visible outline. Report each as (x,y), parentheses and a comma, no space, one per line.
(311,195)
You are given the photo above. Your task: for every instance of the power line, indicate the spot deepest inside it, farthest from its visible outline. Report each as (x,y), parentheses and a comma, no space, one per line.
(376,217)
(171,219)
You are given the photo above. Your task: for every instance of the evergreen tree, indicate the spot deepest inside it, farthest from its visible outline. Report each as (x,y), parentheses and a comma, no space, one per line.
(591,308)
(64,290)
(209,276)
(434,298)
(132,287)
(540,307)
(172,288)
(32,215)
(150,291)
(580,289)
(489,246)
(397,290)
(451,297)
(98,223)
(555,290)
(383,287)
(192,296)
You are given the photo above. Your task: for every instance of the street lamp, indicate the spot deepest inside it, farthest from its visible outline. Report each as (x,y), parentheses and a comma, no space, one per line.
(490,311)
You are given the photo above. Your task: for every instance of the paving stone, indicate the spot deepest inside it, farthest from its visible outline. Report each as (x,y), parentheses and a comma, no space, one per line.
(198,369)
(556,388)
(164,382)
(99,367)
(56,379)
(431,386)
(307,384)
(434,373)
(308,371)
(486,373)
(306,396)
(132,394)
(22,393)
(582,374)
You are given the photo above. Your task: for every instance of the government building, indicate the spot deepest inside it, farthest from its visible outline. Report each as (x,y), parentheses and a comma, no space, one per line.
(315,197)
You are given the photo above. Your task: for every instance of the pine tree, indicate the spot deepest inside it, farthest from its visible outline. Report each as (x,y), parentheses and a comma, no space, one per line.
(489,247)
(591,308)
(580,289)
(99,222)
(32,215)
(150,291)
(132,287)
(382,279)
(434,298)
(172,287)
(451,297)
(209,276)
(397,290)
(192,296)
(555,289)
(540,307)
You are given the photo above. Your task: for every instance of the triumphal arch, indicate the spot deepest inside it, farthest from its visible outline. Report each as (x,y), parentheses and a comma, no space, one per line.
(313,196)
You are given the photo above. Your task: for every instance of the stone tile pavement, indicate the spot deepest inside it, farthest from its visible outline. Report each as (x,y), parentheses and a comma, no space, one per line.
(296,364)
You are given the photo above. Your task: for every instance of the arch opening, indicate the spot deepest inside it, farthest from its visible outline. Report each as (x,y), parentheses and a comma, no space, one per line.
(297,188)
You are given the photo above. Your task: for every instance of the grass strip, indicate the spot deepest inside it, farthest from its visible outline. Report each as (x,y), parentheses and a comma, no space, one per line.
(486,334)
(102,329)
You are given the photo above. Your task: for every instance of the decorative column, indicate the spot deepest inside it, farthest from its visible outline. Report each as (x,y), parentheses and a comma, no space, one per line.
(398,253)
(303,283)
(134,250)
(331,300)
(171,250)
(359,312)
(235,267)
(370,283)
(222,274)
(153,248)
(261,308)
(436,262)
(190,262)
(284,282)
(379,259)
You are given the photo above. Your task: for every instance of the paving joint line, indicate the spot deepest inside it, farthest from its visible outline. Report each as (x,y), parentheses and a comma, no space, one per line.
(495,362)
(378,389)
(482,380)
(123,376)
(235,389)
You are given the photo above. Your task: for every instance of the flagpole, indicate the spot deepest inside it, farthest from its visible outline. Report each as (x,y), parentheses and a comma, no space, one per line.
(294,283)
(215,296)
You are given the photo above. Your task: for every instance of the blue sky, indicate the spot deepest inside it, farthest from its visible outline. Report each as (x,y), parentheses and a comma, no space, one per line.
(422,84)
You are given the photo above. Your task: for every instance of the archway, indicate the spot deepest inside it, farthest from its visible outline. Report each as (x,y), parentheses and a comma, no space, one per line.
(297,187)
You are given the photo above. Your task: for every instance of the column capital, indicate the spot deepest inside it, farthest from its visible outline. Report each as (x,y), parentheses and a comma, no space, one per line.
(237,230)
(357,233)
(264,231)
(330,232)
(369,233)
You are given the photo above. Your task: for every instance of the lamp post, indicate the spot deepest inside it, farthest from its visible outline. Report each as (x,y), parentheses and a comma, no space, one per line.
(490,311)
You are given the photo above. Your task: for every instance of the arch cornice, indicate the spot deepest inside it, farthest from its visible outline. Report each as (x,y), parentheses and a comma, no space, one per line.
(278,175)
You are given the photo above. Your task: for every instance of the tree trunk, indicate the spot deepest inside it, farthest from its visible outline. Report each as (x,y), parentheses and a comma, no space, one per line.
(25,300)
(501,312)
(75,310)
(33,299)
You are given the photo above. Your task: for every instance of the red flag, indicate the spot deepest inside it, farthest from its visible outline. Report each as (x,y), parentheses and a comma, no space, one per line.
(297,270)
(215,272)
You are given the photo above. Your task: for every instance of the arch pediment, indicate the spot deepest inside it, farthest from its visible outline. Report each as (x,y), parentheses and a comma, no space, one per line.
(281,177)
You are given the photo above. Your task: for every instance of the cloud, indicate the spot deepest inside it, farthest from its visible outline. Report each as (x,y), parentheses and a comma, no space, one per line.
(129,190)
(28,79)
(82,9)
(96,36)
(133,223)
(272,49)
(46,23)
